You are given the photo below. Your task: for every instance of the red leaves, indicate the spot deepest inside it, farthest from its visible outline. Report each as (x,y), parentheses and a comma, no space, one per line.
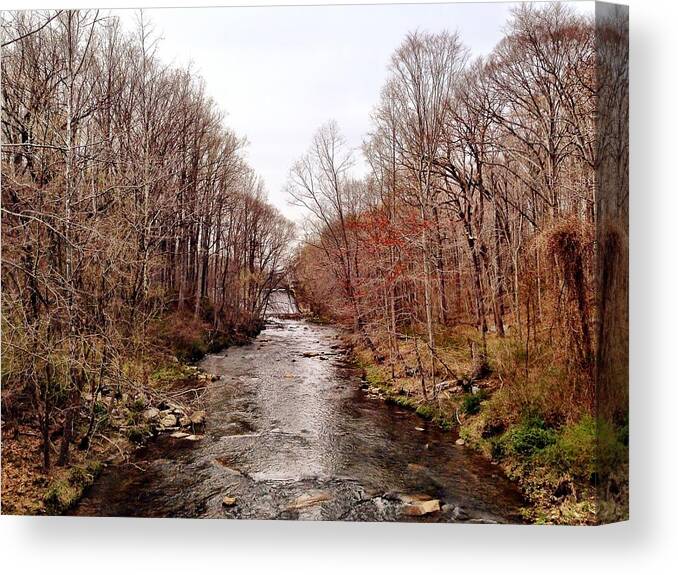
(377,231)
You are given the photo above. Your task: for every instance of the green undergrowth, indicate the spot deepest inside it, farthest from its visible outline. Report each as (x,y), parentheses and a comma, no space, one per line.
(168,372)
(377,376)
(66,488)
(560,468)
(564,459)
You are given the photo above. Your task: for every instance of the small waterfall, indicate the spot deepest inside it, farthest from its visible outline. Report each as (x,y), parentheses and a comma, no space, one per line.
(281,303)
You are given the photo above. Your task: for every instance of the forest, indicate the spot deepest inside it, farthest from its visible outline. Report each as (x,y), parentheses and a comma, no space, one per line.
(480,262)
(133,227)
(478,268)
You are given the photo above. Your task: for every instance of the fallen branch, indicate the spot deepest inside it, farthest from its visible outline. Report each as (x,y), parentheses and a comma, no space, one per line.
(113,443)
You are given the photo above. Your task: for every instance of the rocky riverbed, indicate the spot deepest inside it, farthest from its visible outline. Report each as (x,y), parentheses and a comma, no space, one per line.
(288,433)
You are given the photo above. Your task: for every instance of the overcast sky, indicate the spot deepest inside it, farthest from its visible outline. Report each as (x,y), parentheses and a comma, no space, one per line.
(279,73)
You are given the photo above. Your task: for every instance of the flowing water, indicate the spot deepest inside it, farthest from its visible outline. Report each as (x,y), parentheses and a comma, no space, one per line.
(291,435)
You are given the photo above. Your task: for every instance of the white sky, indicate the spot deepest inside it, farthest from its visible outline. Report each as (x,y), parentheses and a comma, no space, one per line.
(279,73)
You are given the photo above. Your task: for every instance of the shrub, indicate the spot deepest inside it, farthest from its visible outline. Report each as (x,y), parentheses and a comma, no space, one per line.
(470,404)
(219,340)
(497,450)
(575,449)
(586,449)
(528,437)
(100,409)
(138,405)
(623,434)
(443,422)
(190,351)
(491,427)
(184,334)
(138,433)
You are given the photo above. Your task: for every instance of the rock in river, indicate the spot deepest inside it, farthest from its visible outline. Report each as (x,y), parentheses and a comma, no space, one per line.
(416,508)
(308,500)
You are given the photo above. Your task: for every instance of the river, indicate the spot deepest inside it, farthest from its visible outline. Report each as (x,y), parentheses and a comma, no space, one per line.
(291,435)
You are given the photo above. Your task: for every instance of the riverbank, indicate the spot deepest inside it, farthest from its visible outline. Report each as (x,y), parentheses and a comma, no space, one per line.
(124,424)
(558,462)
(160,392)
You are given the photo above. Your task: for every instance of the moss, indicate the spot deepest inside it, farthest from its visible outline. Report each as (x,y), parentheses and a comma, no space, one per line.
(374,375)
(66,489)
(138,433)
(425,411)
(402,401)
(60,496)
(167,373)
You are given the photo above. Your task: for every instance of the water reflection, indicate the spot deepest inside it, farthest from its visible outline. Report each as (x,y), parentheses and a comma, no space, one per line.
(291,435)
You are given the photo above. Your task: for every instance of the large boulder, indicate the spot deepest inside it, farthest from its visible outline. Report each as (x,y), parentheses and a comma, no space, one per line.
(169,420)
(167,405)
